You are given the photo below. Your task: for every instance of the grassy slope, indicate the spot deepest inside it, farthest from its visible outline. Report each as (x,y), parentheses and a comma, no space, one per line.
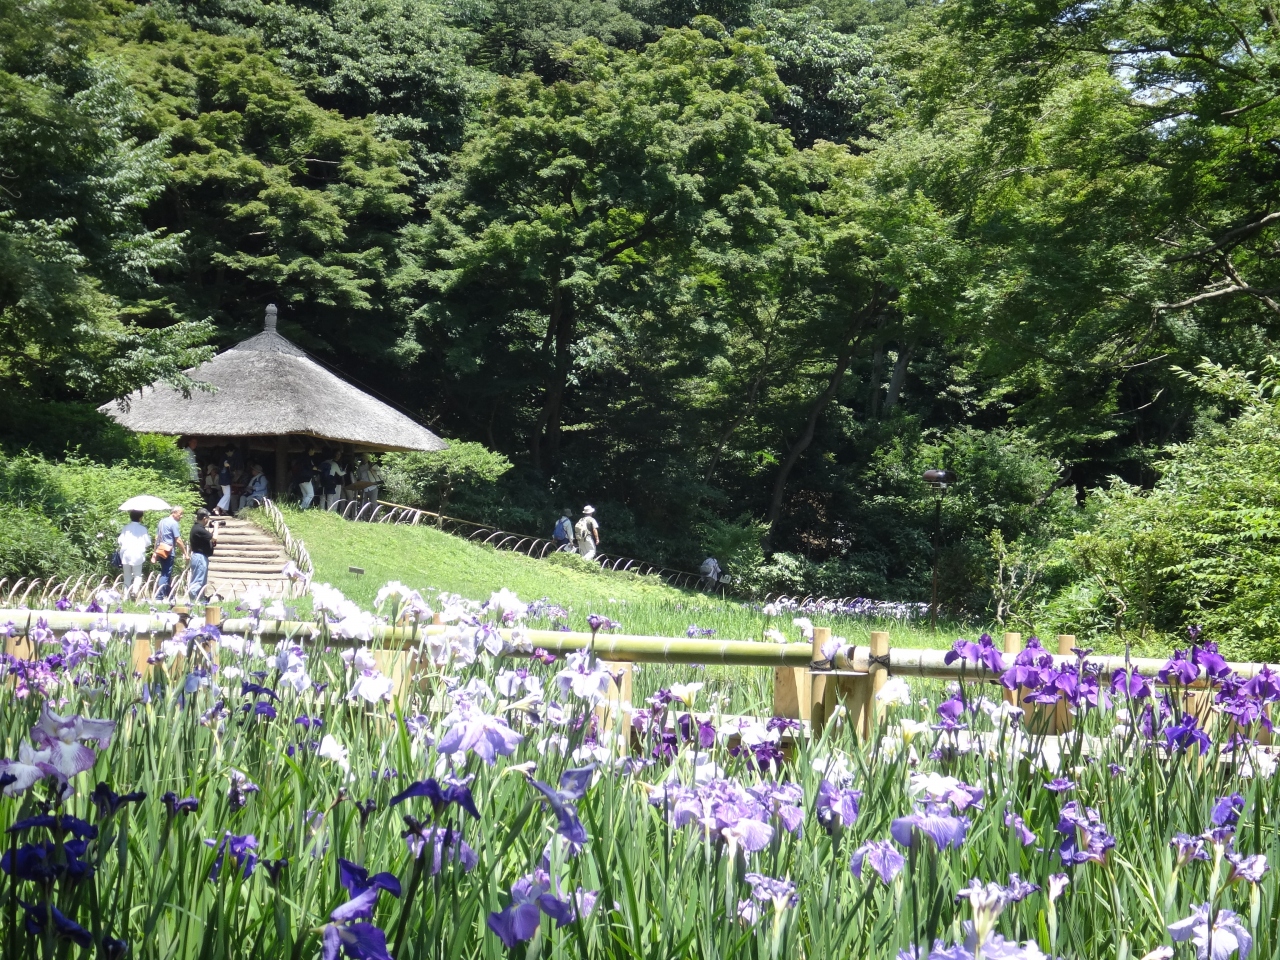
(426,559)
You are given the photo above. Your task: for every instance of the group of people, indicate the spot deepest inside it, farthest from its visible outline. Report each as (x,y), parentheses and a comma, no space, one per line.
(325,482)
(136,547)
(228,483)
(582,537)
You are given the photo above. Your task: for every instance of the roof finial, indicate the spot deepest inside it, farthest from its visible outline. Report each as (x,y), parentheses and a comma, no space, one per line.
(271,317)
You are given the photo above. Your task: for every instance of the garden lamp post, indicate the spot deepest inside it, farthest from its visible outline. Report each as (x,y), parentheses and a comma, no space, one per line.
(939,480)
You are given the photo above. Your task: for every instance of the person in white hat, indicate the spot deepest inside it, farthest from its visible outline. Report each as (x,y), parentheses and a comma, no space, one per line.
(587,532)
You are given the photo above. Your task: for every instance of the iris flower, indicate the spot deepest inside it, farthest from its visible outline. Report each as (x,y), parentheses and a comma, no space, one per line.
(1227,936)
(472,729)
(837,808)
(935,822)
(880,856)
(440,795)
(532,896)
(64,738)
(573,787)
(30,768)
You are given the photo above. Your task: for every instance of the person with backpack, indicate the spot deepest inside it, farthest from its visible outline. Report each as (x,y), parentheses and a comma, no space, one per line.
(562,535)
(588,533)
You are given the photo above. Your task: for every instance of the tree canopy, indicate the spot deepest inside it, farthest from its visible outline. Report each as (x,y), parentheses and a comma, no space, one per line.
(725,269)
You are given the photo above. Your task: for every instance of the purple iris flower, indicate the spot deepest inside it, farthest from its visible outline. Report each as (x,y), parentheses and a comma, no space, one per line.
(1207,657)
(42,862)
(1060,785)
(1085,837)
(837,808)
(472,729)
(531,896)
(109,803)
(1248,868)
(446,844)
(242,850)
(358,941)
(62,604)
(1226,810)
(356,879)
(1264,685)
(260,708)
(1019,826)
(951,709)
(184,806)
(935,822)
(1188,848)
(440,795)
(257,689)
(308,722)
(43,916)
(1179,670)
(1183,736)
(781,893)
(881,856)
(1227,936)
(573,787)
(1019,889)
(783,801)
(783,724)
(58,825)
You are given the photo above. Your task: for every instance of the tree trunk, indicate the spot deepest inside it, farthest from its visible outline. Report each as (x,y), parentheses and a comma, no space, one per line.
(555,386)
(899,377)
(877,371)
(806,435)
(734,424)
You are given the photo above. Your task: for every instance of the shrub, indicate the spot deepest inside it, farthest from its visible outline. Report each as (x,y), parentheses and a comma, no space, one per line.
(80,500)
(429,480)
(31,546)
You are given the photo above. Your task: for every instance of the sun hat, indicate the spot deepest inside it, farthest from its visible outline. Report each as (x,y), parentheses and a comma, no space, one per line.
(588,510)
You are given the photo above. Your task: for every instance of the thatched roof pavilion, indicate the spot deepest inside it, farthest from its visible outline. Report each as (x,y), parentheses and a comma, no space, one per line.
(271,395)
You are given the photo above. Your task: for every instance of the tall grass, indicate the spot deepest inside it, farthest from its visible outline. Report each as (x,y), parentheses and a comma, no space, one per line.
(664,891)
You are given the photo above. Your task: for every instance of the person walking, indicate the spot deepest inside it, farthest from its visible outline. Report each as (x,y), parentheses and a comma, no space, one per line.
(168,542)
(562,535)
(133,542)
(203,542)
(331,475)
(588,532)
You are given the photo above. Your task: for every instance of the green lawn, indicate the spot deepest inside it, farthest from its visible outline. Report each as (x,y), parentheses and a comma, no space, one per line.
(430,561)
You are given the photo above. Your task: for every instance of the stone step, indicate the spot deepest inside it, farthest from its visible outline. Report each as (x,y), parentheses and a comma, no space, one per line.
(255,569)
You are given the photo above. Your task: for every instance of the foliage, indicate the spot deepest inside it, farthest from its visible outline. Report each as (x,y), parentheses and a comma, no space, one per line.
(78,500)
(32,547)
(429,480)
(1199,548)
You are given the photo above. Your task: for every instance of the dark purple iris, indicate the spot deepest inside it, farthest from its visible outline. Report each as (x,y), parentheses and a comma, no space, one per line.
(1179,670)
(357,880)
(1028,667)
(45,916)
(440,795)
(532,896)
(1085,838)
(109,803)
(1131,684)
(184,806)
(308,722)
(42,862)
(260,708)
(1264,685)
(57,825)
(242,851)
(365,808)
(1060,785)
(274,868)
(1226,810)
(446,843)
(1187,734)
(935,822)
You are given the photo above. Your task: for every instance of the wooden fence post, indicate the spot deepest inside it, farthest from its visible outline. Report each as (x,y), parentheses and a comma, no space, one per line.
(1065,642)
(612,711)
(392,664)
(791,693)
(142,652)
(212,615)
(818,683)
(877,676)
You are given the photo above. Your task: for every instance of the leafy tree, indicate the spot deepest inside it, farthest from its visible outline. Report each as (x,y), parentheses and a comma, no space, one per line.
(80,315)
(432,478)
(574,195)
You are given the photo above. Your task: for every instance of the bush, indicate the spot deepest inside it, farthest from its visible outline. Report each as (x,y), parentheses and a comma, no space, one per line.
(429,480)
(31,546)
(80,500)
(1201,548)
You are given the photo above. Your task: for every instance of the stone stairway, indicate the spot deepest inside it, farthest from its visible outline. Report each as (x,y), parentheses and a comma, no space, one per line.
(247,557)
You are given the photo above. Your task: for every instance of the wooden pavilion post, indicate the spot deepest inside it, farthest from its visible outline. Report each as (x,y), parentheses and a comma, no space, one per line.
(281,486)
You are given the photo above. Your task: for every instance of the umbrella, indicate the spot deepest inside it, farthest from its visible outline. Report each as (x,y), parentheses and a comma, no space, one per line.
(145,502)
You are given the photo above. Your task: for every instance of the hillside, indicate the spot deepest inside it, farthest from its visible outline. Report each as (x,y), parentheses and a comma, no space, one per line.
(429,560)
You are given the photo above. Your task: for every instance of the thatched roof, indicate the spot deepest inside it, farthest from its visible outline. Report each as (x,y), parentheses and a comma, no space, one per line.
(266,386)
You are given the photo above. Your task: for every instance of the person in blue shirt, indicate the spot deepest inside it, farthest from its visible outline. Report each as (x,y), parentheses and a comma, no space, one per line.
(563,532)
(257,489)
(168,542)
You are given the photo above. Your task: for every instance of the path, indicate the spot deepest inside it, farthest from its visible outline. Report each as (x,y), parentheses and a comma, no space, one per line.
(247,556)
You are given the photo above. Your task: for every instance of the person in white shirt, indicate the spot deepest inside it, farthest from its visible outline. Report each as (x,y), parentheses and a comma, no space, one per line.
(134,541)
(588,533)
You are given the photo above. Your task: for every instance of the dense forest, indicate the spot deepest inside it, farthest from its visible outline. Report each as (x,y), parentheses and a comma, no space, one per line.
(736,273)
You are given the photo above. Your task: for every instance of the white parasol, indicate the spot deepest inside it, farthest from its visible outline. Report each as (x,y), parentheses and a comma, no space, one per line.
(145,502)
